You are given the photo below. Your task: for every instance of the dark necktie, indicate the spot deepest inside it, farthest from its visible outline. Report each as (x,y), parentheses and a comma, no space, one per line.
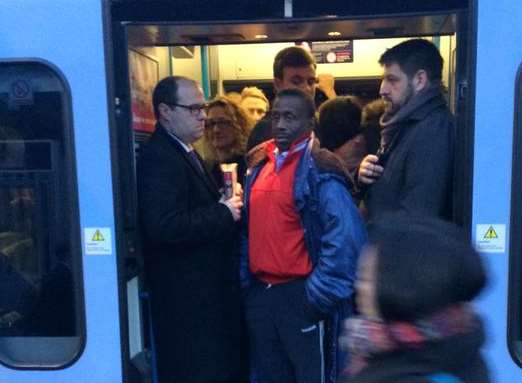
(195,160)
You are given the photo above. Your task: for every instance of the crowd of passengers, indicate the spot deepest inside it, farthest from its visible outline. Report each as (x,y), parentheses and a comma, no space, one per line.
(333,259)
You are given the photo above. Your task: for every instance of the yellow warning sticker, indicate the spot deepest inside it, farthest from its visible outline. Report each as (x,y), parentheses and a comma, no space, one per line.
(490,238)
(491,233)
(98,236)
(97,240)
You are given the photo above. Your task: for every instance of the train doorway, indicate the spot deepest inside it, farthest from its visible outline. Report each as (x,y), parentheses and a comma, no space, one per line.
(222,44)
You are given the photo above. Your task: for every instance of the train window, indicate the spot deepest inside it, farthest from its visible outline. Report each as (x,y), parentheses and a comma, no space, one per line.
(41,323)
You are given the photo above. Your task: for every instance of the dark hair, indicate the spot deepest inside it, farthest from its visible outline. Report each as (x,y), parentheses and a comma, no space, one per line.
(339,121)
(295,57)
(423,265)
(372,112)
(305,99)
(413,55)
(166,91)
(370,124)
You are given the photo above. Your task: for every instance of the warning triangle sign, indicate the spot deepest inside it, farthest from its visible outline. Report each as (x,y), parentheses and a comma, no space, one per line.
(98,236)
(490,233)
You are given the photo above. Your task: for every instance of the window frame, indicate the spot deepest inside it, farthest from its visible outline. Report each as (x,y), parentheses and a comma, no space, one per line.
(514,325)
(47,344)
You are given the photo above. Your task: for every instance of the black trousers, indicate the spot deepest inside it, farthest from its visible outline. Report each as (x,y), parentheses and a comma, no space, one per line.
(286,343)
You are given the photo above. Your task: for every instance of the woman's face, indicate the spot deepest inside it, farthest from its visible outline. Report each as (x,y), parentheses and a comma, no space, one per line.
(366,283)
(220,128)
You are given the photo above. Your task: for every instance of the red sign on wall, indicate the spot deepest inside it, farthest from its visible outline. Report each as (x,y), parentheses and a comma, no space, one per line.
(144,75)
(330,52)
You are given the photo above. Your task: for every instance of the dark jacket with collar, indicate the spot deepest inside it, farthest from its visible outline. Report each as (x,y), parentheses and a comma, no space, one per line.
(418,162)
(334,235)
(458,356)
(191,265)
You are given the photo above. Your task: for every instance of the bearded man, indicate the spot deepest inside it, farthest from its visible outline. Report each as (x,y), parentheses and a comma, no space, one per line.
(413,168)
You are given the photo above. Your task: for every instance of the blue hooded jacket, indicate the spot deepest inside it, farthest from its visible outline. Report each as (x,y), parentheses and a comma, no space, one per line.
(334,235)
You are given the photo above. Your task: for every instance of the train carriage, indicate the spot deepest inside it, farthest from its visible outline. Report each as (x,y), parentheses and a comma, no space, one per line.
(75,82)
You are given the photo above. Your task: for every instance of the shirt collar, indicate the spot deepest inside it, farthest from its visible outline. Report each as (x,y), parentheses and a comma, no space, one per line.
(188,148)
(297,146)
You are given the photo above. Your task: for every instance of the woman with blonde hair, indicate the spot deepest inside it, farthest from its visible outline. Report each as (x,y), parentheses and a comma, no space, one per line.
(226,132)
(255,103)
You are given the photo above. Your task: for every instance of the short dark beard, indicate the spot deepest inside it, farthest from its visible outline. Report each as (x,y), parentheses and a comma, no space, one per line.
(407,99)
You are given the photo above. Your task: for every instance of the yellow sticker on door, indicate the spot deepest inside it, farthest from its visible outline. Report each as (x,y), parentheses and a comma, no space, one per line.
(491,238)
(97,240)
(490,233)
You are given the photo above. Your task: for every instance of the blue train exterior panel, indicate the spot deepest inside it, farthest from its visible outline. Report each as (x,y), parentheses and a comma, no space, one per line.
(69,35)
(499,54)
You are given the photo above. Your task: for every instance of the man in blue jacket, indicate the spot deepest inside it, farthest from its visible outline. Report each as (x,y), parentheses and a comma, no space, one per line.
(304,236)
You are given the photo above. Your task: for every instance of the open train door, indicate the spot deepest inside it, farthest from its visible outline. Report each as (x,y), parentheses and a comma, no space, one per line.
(137,27)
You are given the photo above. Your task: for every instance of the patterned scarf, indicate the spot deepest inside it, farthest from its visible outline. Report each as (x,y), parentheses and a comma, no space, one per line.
(367,337)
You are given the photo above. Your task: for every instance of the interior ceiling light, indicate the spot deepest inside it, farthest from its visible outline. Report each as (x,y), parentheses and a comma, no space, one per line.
(261,37)
(334,34)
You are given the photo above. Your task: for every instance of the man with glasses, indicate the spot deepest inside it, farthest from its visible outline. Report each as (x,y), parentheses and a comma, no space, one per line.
(304,236)
(190,236)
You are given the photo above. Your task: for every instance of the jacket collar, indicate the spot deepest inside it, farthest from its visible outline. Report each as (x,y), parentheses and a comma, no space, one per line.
(182,149)
(325,161)
(418,107)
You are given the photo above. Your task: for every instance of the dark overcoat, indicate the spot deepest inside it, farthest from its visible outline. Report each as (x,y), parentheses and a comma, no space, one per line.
(419,164)
(191,265)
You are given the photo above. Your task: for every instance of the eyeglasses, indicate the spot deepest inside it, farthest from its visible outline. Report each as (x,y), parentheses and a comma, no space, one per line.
(194,109)
(209,124)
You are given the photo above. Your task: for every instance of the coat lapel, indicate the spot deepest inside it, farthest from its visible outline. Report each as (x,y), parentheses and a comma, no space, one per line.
(204,176)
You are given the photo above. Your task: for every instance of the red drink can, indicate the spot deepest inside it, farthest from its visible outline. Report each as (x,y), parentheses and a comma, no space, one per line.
(229,179)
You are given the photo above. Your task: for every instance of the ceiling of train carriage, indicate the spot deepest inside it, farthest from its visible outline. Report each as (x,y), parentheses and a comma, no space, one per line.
(160,34)
(199,10)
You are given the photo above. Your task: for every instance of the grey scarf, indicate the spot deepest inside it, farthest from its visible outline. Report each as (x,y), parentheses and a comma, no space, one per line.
(390,124)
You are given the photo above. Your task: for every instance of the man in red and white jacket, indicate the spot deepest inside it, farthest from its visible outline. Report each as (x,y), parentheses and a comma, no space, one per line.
(304,236)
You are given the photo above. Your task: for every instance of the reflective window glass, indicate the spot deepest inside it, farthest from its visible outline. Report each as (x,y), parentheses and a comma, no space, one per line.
(40,277)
